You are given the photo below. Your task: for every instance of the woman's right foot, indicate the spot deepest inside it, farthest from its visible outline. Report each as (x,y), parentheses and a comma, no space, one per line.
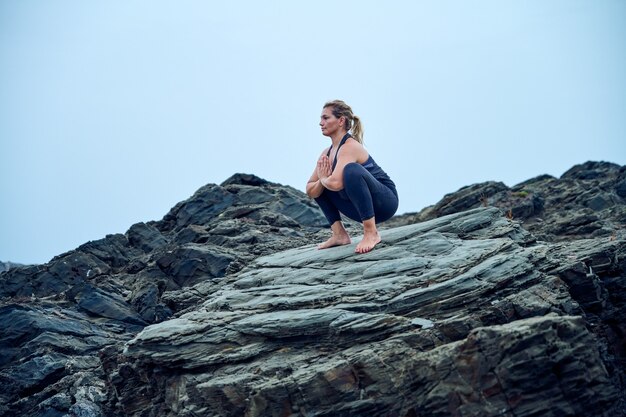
(335,240)
(368,242)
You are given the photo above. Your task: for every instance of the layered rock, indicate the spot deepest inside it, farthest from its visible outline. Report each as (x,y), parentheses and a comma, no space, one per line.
(56,317)
(586,201)
(464,313)
(226,308)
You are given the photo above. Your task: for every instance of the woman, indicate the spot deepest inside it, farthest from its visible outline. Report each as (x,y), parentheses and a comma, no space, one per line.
(347,180)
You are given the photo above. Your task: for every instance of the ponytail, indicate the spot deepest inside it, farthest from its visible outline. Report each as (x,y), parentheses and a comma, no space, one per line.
(357,129)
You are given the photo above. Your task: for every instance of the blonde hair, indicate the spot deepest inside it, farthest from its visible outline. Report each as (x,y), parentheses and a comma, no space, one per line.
(340,108)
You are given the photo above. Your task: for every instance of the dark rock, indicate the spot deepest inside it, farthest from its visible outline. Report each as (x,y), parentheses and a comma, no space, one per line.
(47,359)
(468,198)
(191,263)
(584,202)
(271,218)
(56,405)
(290,204)
(538,179)
(620,188)
(250,194)
(246,179)
(59,275)
(5,266)
(98,302)
(147,302)
(34,374)
(582,222)
(78,266)
(238,197)
(22,282)
(590,170)
(200,209)
(145,237)
(114,250)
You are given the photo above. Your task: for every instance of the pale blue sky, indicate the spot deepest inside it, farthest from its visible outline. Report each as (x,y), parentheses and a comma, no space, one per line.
(111,112)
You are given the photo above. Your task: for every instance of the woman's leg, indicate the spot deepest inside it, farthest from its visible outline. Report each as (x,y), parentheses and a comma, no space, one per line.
(368,196)
(373,201)
(363,199)
(339,236)
(371,237)
(330,202)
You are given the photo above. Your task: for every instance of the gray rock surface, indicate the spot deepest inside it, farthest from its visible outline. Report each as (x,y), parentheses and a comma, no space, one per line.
(465,312)
(226,308)
(586,201)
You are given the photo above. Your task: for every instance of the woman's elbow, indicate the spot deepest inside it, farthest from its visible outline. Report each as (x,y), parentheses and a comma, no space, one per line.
(312,192)
(333,184)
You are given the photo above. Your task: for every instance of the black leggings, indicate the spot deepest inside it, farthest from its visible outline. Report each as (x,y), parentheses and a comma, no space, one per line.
(362,197)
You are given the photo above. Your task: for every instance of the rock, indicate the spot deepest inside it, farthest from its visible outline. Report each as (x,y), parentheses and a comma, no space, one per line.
(449,314)
(49,356)
(120,283)
(246,179)
(486,374)
(620,188)
(98,302)
(236,198)
(200,209)
(53,278)
(585,201)
(34,374)
(5,266)
(114,250)
(191,263)
(468,197)
(146,237)
(512,303)
(590,170)
(146,301)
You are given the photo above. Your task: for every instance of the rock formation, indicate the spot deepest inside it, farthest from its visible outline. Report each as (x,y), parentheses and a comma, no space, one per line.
(5,266)
(496,301)
(586,201)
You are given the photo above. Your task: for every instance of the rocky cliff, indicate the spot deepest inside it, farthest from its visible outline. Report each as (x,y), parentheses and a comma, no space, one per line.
(496,301)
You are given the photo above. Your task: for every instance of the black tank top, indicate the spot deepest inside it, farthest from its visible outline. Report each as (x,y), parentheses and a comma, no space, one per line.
(370,165)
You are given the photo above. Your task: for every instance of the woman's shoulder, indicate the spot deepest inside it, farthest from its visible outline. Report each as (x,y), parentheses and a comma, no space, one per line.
(356,149)
(353,143)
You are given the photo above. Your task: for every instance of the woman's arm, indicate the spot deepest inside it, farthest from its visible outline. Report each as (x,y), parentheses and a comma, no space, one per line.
(314,187)
(323,177)
(352,151)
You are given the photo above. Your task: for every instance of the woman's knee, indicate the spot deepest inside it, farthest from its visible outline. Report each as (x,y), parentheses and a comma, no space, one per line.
(353,170)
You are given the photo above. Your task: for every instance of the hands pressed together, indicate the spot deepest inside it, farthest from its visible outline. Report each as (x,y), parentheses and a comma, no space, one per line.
(323,167)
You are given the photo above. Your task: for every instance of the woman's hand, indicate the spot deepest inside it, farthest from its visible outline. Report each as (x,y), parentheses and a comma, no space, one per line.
(323,167)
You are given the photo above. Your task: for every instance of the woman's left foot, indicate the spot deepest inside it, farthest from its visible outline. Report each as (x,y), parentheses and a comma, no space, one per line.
(368,242)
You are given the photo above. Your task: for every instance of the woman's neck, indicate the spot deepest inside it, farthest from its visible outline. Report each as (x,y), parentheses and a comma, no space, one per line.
(336,138)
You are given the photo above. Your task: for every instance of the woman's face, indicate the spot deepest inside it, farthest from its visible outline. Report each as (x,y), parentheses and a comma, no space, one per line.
(329,123)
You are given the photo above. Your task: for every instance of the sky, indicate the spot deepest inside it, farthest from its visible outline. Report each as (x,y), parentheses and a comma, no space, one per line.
(111,112)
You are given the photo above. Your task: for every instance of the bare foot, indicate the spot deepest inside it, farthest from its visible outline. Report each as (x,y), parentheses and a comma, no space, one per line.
(368,242)
(335,240)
